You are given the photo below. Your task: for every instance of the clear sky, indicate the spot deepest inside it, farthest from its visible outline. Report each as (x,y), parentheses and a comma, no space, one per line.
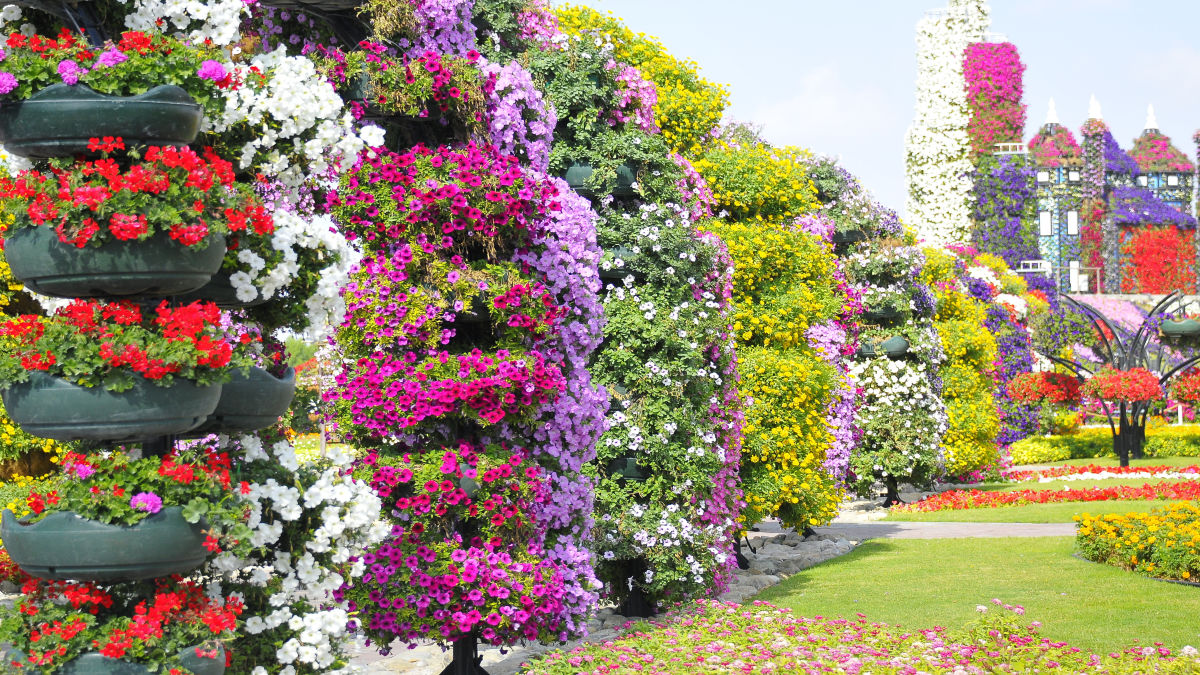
(837,77)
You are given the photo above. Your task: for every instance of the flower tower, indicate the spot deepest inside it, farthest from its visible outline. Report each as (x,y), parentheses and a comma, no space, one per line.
(470,322)
(667,497)
(937,146)
(899,417)
(176,269)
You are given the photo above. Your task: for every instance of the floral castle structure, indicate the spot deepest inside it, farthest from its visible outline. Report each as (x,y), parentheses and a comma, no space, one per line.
(1079,213)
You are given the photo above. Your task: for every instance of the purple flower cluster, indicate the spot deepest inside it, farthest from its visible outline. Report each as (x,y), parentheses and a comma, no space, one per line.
(1116,159)
(1003,201)
(1139,206)
(520,121)
(831,340)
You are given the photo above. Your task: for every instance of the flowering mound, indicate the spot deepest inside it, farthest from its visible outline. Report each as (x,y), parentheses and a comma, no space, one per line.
(1154,152)
(1044,387)
(711,636)
(953,500)
(1055,146)
(1164,543)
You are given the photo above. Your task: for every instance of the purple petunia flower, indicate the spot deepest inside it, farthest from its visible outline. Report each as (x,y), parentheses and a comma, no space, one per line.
(146,501)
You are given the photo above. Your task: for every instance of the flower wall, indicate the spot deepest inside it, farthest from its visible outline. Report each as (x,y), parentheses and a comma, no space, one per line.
(937,144)
(992,72)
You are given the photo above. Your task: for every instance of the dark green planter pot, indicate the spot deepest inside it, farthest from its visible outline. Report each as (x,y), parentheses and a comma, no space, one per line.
(578,174)
(473,312)
(156,267)
(50,407)
(881,314)
(64,546)
(895,347)
(1181,329)
(93,663)
(59,120)
(220,290)
(249,402)
(849,236)
(626,469)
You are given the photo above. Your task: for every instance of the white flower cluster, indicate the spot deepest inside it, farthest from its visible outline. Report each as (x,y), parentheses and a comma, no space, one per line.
(900,391)
(303,130)
(195,21)
(937,148)
(303,530)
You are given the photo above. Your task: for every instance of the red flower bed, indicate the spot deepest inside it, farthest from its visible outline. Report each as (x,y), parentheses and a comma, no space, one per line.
(953,500)
(1059,471)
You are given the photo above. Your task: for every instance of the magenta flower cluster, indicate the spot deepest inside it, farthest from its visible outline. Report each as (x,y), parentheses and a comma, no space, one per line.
(992,72)
(635,98)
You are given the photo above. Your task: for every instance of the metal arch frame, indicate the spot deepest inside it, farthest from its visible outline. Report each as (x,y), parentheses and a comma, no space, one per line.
(1123,354)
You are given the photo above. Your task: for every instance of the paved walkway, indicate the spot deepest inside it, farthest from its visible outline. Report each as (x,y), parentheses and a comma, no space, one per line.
(902,530)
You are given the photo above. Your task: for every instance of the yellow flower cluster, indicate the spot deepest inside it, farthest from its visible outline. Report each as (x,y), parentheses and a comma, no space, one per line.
(781,282)
(967,386)
(17,488)
(16,444)
(751,180)
(1163,543)
(689,106)
(785,437)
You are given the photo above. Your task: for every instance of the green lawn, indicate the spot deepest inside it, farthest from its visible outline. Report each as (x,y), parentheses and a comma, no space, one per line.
(1074,484)
(1032,513)
(921,583)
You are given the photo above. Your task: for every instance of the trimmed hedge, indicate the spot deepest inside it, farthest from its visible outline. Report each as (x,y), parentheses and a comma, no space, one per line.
(1163,441)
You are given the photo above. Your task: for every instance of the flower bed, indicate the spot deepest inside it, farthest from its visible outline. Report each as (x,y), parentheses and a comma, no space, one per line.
(1096,472)
(1163,543)
(711,636)
(957,500)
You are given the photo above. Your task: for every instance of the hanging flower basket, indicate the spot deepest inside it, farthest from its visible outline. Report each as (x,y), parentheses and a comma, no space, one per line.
(884,313)
(64,546)
(250,402)
(895,347)
(578,173)
(619,273)
(1136,385)
(626,469)
(849,236)
(1180,329)
(52,407)
(156,267)
(58,121)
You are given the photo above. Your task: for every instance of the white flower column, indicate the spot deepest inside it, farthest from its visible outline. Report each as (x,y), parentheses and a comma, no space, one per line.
(937,163)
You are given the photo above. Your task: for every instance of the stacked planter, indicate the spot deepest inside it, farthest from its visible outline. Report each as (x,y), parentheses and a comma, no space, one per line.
(900,409)
(667,495)
(58,122)
(470,321)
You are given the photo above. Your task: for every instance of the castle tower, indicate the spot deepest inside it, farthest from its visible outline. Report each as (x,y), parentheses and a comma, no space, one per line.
(1058,165)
